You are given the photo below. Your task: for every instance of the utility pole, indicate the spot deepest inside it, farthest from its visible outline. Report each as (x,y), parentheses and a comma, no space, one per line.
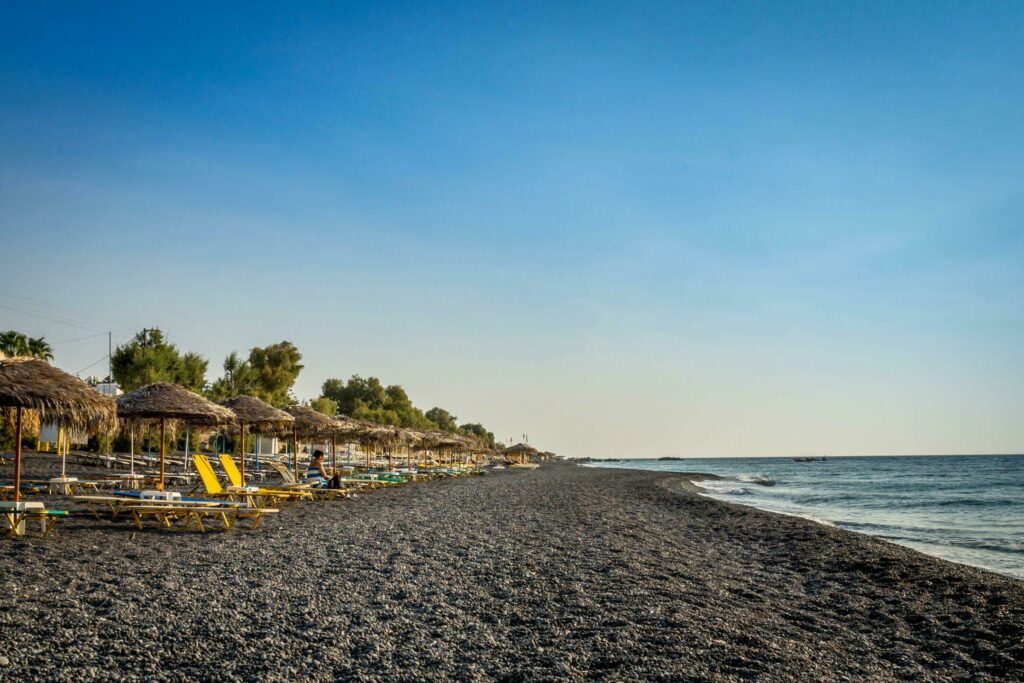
(110,346)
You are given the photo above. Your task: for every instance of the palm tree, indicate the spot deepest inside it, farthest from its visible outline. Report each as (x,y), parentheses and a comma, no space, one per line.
(17,344)
(39,348)
(13,343)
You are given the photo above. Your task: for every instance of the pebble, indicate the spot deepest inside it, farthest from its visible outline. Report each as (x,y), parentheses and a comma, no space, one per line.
(561,573)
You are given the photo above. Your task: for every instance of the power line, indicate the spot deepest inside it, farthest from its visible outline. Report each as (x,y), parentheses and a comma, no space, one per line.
(92,364)
(78,339)
(63,311)
(50,318)
(65,316)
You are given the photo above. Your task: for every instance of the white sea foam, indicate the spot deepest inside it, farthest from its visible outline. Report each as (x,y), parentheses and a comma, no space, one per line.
(722,487)
(762,479)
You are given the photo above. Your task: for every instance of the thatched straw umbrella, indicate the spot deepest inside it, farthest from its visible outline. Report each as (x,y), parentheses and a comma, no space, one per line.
(33,384)
(165,401)
(392,438)
(410,438)
(308,423)
(260,416)
(347,428)
(374,435)
(520,450)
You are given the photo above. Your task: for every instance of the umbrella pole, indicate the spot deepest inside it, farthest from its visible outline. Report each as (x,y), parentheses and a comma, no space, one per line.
(241,449)
(186,450)
(17,458)
(334,454)
(131,437)
(295,455)
(63,455)
(163,450)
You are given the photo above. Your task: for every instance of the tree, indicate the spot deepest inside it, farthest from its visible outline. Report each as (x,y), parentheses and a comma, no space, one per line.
(149,358)
(192,371)
(238,380)
(356,394)
(367,399)
(476,429)
(444,420)
(39,348)
(17,344)
(13,343)
(276,368)
(269,373)
(324,405)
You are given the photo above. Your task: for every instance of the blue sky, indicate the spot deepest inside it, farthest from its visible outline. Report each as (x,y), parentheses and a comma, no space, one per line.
(624,229)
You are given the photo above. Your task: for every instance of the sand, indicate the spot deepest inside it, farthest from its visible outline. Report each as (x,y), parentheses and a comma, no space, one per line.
(563,573)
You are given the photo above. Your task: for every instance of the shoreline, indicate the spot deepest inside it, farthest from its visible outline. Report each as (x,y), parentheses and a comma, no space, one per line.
(563,572)
(939,521)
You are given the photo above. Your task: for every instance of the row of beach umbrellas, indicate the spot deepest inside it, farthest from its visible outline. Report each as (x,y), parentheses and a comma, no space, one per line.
(33,384)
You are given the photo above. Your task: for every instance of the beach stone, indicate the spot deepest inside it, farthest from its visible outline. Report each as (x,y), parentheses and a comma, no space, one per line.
(563,573)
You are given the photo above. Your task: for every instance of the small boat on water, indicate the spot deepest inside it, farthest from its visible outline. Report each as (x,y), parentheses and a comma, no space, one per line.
(821,459)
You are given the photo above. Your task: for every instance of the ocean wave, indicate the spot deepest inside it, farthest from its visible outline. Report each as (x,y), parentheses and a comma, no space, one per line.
(952,543)
(723,487)
(760,479)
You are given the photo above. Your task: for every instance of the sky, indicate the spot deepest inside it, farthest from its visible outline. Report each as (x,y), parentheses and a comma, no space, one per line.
(622,229)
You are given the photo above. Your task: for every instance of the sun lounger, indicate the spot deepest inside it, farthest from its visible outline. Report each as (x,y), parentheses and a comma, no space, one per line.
(253,495)
(290,484)
(166,515)
(117,504)
(18,514)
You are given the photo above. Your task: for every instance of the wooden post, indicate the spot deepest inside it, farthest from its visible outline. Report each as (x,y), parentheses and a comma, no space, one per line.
(241,450)
(17,458)
(163,450)
(334,454)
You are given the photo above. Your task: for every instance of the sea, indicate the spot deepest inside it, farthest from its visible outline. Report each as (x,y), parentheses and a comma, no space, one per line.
(967,509)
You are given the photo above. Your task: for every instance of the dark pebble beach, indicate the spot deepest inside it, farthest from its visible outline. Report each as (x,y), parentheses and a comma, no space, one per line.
(563,573)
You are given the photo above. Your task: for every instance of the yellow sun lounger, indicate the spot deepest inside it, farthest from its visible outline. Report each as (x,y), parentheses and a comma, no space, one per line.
(248,493)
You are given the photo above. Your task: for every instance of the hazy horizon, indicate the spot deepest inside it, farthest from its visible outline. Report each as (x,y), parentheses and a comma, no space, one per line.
(804,455)
(787,229)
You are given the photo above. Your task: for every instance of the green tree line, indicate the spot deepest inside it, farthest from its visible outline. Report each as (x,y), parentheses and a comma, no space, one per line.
(269,373)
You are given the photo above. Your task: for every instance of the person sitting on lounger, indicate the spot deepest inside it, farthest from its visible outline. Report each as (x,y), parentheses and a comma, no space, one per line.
(317,476)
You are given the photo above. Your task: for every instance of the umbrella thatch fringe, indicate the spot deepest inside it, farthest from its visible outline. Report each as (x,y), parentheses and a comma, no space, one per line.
(259,417)
(310,422)
(520,447)
(163,400)
(55,395)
